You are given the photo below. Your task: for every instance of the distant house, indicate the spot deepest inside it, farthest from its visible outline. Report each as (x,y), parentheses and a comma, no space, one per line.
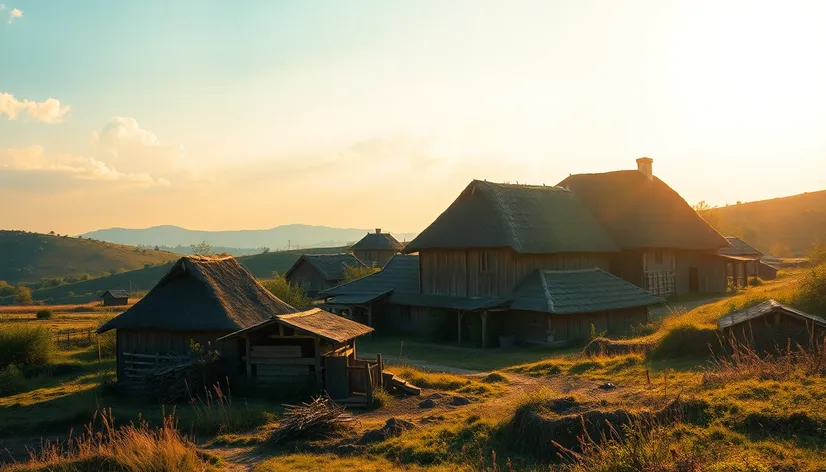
(200,299)
(664,246)
(376,248)
(767,271)
(115,298)
(744,261)
(317,272)
(771,325)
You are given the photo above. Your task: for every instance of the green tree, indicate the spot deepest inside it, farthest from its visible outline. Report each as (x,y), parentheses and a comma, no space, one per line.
(202,249)
(22,295)
(6,290)
(293,295)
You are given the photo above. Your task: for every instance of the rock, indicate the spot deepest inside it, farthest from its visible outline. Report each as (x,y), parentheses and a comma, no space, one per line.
(607,386)
(436,396)
(459,401)
(427,404)
(392,428)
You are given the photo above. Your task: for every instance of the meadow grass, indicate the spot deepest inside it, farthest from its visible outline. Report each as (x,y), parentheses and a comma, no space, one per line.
(447,382)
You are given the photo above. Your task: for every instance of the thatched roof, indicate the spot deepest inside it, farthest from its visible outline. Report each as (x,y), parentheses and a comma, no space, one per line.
(527,218)
(202,294)
(766,308)
(639,212)
(565,292)
(116,294)
(316,322)
(739,248)
(378,241)
(329,266)
(399,275)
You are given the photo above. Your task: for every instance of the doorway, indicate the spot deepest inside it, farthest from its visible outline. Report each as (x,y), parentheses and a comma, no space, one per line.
(693,280)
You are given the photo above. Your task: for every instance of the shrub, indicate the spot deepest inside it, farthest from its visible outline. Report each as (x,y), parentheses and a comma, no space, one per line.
(755,281)
(291,294)
(22,295)
(25,345)
(10,380)
(812,290)
(44,314)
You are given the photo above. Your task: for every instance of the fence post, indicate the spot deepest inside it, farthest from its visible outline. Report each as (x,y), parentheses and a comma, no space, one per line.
(369,387)
(381,369)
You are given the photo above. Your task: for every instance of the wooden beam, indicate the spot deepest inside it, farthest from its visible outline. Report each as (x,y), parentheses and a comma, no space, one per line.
(248,341)
(381,369)
(317,352)
(369,387)
(484,329)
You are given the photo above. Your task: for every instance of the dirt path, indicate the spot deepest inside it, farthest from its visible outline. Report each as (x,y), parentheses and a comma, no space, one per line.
(423,364)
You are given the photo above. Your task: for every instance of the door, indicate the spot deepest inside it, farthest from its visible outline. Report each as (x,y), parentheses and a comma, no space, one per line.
(336,381)
(693,280)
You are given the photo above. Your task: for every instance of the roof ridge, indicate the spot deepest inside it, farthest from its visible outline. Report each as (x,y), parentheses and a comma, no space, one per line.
(548,299)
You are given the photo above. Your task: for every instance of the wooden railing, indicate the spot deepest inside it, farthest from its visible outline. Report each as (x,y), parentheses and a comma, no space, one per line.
(137,364)
(365,375)
(76,335)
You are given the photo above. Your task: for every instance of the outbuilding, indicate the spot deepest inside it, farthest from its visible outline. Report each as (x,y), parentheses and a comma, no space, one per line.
(772,325)
(115,298)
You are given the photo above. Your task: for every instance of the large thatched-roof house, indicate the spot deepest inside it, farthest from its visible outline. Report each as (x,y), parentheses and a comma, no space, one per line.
(376,248)
(200,299)
(665,247)
(317,272)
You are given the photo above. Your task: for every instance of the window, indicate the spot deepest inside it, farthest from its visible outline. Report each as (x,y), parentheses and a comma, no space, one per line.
(485,261)
(658,256)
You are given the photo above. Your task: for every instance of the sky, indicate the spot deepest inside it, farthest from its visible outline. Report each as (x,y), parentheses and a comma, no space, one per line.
(222,115)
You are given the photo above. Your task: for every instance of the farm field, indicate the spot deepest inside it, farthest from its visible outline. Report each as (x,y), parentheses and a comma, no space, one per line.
(732,417)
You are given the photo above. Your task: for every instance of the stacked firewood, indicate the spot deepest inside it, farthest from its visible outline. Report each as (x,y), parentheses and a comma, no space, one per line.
(320,418)
(170,383)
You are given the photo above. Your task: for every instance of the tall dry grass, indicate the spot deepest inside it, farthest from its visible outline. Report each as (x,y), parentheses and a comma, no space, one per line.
(134,447)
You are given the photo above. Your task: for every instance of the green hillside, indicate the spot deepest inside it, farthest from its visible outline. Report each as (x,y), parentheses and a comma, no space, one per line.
(260,265)
(31,257)
(783,227)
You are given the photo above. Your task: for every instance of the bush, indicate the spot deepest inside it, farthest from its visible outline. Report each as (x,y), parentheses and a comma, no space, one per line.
(812,290)
(10,380)
(755,281)
(356,272)
(25,345)
(291,294)
(44,314)
(817,255)
(22,295)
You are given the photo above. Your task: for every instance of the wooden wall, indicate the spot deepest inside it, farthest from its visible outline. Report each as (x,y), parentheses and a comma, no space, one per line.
(460,272)
(307,277)
(535,327)
(377,258)
(711,270)
(169,342)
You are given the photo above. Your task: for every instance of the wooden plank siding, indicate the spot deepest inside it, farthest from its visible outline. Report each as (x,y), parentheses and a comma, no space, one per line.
(462,272)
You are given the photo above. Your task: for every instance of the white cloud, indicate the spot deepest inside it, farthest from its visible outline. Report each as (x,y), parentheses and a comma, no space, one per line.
(125,145)
(33,160)
(13,14)
(47,111)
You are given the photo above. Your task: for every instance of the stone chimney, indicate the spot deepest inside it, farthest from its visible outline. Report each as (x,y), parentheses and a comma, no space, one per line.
(645,165)
(378,230)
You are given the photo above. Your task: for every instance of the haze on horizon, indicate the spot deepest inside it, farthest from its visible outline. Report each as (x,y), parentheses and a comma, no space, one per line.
(367,114)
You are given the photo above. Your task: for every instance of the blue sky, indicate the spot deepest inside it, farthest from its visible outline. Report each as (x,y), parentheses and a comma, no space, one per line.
(216,116)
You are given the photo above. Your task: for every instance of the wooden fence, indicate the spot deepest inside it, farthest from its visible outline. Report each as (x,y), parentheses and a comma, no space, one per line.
(364,376)
(136,365)
(77,335)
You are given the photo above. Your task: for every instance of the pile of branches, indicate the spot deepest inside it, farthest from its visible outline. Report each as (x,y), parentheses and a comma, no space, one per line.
(320,418)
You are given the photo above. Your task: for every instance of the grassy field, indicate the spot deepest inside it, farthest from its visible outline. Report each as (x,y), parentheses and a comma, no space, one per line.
(672,406)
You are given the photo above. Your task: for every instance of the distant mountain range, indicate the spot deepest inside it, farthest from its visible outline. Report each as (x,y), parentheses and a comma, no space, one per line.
(278,238)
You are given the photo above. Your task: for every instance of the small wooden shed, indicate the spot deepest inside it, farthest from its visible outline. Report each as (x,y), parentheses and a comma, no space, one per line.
(115,298)
(772,325)
(313,345)
(317,272)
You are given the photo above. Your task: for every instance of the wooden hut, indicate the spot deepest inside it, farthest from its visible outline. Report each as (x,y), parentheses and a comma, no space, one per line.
(772,325)
(199,300)
(767,271)
(115,298)
(665,246)
(317,272)
(377,248)
(310,346)
(744,261)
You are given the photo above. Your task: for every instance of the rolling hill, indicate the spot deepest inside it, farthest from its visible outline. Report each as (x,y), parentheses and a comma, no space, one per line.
(277,238)
(30,257)
(789,224)
(260,265)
